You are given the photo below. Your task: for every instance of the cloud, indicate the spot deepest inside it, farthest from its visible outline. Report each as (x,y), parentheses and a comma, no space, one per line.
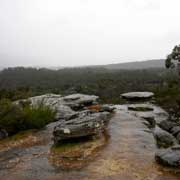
(79,32)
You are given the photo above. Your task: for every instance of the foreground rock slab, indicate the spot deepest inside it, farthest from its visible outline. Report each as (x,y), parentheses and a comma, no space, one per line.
(169,157)
(137,95)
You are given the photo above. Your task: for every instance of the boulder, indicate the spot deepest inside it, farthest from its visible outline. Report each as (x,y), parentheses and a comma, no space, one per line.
(175,130)
(169,157)
(137,95)
(86,124)
(167,125)
(163,138)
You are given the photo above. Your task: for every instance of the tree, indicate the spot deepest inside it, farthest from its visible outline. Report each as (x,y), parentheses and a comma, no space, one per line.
(173,59)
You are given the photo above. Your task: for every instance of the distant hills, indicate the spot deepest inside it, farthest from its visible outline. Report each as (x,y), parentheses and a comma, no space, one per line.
(158,63)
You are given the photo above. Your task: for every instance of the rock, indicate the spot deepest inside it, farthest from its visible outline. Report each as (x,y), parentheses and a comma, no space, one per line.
(86,124)
(175,130)
(169,157)
(167,125)
(64,106)
(77,101)
(107,108)
(163,138)
(3,134)
(178,137)
(140,107)
(64,112)
(151,121)
(137,95)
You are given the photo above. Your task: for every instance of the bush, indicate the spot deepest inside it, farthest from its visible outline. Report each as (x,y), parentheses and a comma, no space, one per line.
(14,118)
(38,117)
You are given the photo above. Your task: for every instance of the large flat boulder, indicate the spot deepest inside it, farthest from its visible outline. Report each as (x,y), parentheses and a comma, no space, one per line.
(169,157)
(137,95)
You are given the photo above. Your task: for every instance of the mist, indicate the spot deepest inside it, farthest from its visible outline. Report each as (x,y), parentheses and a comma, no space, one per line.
(86,32)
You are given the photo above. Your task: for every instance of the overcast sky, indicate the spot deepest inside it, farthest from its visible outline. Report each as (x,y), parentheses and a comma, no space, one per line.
(84,32)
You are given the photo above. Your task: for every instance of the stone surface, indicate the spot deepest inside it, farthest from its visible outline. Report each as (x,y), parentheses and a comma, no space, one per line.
(167,125)
(175,130)
(64,106)
(163,138)
(169,157)
(150,120)
(137,95)
(140,107)
(86,124)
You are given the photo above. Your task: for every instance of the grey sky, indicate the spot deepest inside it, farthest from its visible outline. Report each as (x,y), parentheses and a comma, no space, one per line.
(81,32)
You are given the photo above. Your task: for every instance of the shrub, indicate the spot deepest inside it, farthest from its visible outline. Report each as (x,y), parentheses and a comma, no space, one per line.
(15,118)
(38,117)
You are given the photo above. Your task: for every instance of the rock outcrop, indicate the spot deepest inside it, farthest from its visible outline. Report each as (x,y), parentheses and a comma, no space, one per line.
(66,106)
(87,124)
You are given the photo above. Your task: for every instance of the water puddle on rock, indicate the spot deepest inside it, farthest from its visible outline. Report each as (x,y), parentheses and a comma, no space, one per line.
(127,154)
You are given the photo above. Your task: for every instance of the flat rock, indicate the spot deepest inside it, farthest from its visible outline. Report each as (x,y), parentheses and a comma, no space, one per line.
(140,107)
(137,95)
(163,138)
(86,124)
(169,157)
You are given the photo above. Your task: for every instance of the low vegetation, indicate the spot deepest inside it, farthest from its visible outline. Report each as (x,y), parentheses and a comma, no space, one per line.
(15,118)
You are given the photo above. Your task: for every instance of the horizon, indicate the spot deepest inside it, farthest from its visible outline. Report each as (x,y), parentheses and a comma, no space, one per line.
(92,65)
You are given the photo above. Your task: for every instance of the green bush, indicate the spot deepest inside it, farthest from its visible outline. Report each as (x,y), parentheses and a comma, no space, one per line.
(38,117)
(15,118)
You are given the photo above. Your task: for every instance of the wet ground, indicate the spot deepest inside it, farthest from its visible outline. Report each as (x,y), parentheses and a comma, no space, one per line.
(127,155)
